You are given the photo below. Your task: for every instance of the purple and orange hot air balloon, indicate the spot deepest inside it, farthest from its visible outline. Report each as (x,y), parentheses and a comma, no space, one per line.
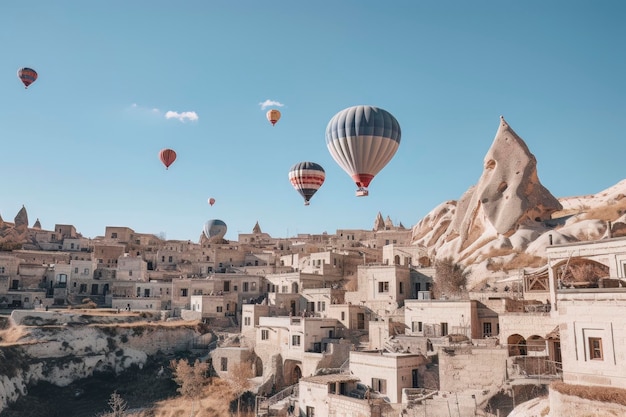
(27,76)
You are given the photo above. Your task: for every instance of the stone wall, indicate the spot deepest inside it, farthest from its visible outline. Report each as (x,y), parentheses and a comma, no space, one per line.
(568,405)
(472,369)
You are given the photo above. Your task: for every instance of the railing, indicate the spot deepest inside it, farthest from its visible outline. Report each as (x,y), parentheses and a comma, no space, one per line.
(281,395)
(345,367)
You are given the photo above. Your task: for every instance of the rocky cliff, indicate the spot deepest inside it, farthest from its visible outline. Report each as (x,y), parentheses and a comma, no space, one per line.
(61,347)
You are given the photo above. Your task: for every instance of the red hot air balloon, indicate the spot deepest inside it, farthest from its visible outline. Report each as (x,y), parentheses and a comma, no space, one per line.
(211,201)
(307,178)
(27,76)
(273,116)
(167,156)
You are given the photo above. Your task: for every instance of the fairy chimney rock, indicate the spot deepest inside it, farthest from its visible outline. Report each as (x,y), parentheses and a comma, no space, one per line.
(21,219)
(379,223)
(508,193)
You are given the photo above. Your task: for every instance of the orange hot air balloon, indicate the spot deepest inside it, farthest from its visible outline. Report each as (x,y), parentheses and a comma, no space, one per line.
(273,116)
(168,156)
(211,201)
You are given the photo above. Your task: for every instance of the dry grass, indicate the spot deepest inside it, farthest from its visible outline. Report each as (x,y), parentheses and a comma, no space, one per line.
(607,213)
(593,393)
(215,403)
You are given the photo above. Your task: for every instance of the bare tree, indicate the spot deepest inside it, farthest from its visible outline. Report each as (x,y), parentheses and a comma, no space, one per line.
(450,278)
(118,406)
(191,379)
(239,380)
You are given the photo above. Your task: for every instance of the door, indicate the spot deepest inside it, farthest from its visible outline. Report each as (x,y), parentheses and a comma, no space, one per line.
(414,378)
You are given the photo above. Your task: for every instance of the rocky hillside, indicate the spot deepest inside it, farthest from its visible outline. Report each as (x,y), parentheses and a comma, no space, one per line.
(508,217)
(62,347)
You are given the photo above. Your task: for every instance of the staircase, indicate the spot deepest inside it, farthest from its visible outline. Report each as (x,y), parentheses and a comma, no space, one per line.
(277,402)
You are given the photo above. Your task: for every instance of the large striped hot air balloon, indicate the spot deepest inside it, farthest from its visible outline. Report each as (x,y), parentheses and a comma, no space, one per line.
(362,140)
(167,156)
(307,178)
(273,116)
(27,76)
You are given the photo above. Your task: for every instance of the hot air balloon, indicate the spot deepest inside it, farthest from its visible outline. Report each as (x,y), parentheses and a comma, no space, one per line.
(27,76)
(307,178)
(362,140)
(214,229)
(273,116)
(168,156)
(211,201)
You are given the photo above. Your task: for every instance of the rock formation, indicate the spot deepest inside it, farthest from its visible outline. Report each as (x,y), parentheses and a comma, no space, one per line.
(509,212)
(21,219)
(379,223)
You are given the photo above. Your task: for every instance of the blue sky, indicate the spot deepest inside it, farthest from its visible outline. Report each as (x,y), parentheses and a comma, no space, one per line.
(81,145)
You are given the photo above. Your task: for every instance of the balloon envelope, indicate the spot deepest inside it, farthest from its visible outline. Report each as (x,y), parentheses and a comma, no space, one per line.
(211,201)
(362,140)
(273,116)
(27,76)
(167,156)
(214,229)
(307,178)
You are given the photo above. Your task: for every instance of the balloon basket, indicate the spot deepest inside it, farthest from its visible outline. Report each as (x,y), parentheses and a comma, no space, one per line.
(362,192)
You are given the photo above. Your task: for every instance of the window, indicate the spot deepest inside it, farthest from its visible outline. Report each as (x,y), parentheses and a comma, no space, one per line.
(595,349)
(1,270)
(321,306)
(379,385)
(169,259)
(183,292)
(246,321)
(284,289)
(219,309)
(295,340)
(486,329)
(76,270)
(383,286)
(265,334)
(224,364)
(253,286)
(444,329)
(245,286)
(130,273)
(310,411)
(417,326)
(226,286)
(343,315)
(401,288)
(113,235)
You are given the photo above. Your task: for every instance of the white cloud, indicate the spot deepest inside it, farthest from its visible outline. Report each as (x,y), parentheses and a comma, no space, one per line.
(270,103)
(186,115)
